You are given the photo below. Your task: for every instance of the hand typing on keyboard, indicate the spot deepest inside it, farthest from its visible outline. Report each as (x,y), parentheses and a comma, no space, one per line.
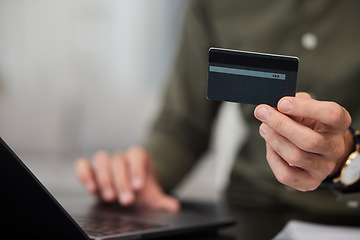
(126,177)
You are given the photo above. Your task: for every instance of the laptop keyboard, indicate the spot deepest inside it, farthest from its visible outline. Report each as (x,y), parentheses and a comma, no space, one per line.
(101,225)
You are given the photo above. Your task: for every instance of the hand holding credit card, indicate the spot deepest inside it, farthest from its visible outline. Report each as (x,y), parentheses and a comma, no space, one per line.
(249,77)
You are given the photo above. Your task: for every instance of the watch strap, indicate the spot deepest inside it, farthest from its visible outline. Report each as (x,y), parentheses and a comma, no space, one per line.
(356,134)
(332,183)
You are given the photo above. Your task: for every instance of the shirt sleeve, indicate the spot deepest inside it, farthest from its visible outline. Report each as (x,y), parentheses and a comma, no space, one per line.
(180,133)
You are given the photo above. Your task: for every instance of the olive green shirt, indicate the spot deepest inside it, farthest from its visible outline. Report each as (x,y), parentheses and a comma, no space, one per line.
(329,70)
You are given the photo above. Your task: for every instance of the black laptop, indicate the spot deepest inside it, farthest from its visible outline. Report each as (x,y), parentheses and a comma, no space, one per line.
(27,209)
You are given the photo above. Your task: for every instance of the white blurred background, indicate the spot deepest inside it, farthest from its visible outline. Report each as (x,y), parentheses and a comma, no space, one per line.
(79,76)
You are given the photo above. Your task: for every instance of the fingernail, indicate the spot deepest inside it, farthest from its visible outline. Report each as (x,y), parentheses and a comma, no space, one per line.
(262,113)
(136,182)
(125,197)
(285,106)
(264,129)
(108,193)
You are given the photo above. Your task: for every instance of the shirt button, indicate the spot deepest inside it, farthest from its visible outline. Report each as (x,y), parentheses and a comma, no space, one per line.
(353,204)
(309,41)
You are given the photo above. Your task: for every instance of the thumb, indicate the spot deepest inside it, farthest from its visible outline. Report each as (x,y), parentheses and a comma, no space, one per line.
(167,203)
(154,197)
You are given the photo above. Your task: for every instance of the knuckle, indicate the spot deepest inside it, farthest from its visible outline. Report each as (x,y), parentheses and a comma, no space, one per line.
(303,185)
(307,186)
(313,186)
(321,168)
(296,158)
(279,125)
(336,113)
(285,179)
(312,143)
(336,147)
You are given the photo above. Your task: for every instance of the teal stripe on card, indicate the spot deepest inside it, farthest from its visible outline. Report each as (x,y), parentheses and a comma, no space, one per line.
(248,73)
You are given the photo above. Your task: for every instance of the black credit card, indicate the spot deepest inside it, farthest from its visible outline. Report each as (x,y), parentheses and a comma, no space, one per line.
(250,77)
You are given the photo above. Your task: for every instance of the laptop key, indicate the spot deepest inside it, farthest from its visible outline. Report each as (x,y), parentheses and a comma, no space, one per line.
(110,224)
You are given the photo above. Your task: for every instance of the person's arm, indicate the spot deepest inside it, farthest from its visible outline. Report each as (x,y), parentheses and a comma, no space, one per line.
(181,131)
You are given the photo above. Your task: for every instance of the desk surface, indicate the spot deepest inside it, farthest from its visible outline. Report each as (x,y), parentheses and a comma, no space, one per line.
(251,223)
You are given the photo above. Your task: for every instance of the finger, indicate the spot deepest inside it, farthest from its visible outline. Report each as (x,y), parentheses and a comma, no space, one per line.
(85,174)
(103,175)
(154,197)
(293,155)
(167,203)
(138,161)
(302,136)
(288,175)
(302,120)
(328,113)
(121,179)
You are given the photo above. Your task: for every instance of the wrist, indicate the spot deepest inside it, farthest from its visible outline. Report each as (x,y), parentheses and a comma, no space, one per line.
(347,179)
(349,148)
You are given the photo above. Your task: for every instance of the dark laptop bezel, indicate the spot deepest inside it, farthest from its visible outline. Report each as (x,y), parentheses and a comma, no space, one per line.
(28,209)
